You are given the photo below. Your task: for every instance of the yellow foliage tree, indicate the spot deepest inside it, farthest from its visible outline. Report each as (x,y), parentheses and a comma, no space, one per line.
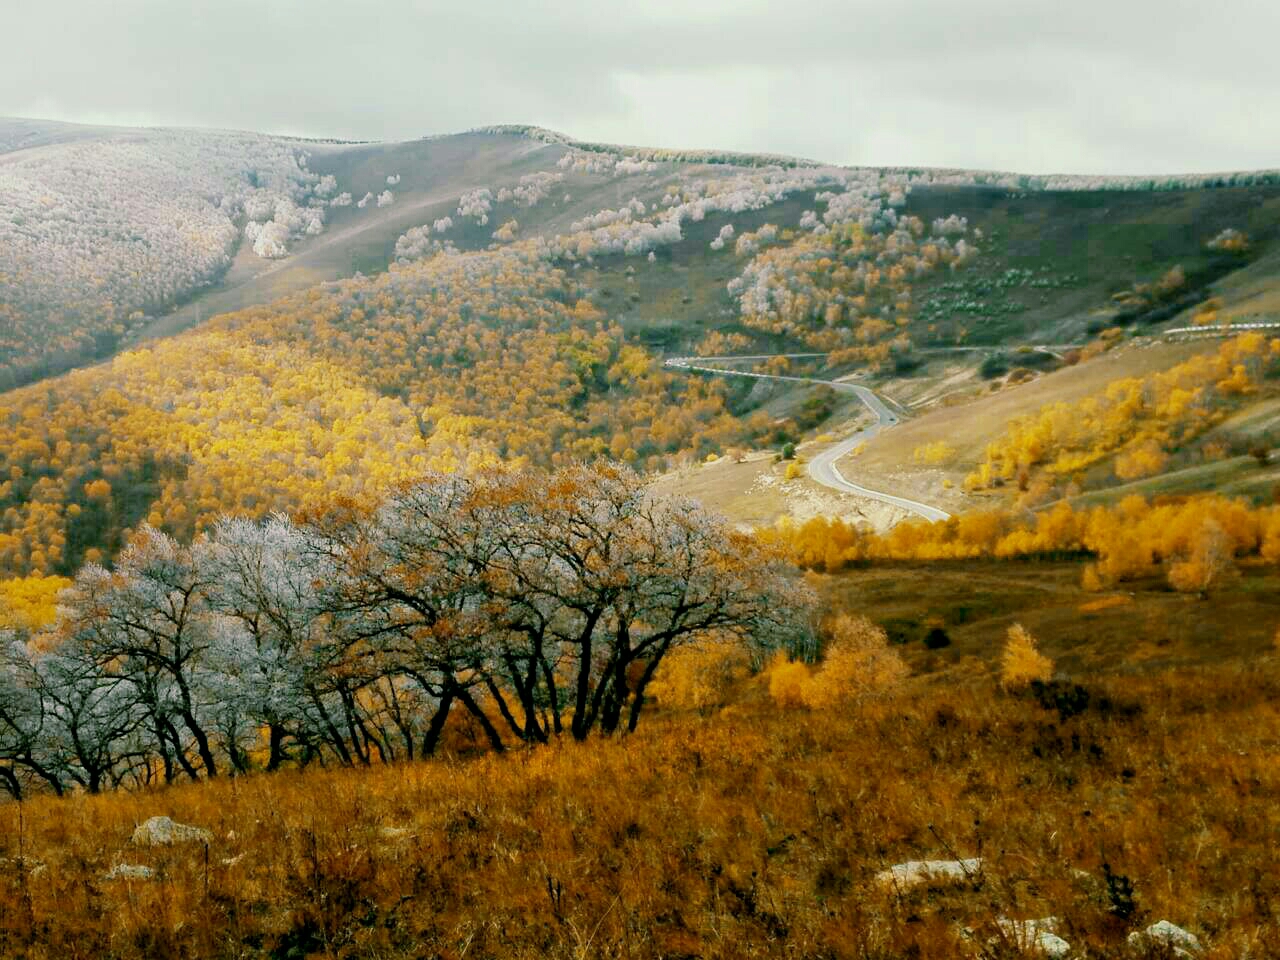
(29,604)
(787,679)
(1208,561)
(932,454)
(1022,663)
(1136,419)
(859,663)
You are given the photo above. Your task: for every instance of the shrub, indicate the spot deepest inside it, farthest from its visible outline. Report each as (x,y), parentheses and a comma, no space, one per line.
(1068,699)
(993,366)
(1022,664)
(1208,561)
(858,664)
(787,679)
(698,677)
(937,638)
(932,454)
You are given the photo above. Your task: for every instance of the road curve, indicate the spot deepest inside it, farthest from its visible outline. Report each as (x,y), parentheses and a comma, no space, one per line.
(822,468)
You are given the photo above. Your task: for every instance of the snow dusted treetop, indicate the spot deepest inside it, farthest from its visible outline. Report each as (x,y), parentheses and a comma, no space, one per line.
(477,204)
(97,231)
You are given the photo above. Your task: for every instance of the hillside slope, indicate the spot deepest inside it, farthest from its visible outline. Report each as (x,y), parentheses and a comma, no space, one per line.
(508,296)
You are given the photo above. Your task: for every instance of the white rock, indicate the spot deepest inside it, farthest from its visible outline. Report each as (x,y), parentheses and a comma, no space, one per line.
(161,831)
(1035,935)
(1183,942)
(129,871)
(915,872)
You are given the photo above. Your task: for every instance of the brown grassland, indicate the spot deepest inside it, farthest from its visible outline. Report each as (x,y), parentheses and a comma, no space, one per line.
(1140,785)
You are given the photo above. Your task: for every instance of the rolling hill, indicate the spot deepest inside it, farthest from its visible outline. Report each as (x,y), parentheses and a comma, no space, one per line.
(389,719)
(508,295)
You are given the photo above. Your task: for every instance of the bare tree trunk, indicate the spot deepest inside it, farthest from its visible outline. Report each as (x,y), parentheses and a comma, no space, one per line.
(11,782)
(495,739)
(436,726)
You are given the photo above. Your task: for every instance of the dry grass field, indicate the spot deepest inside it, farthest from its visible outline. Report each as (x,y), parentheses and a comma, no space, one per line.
(1140,785)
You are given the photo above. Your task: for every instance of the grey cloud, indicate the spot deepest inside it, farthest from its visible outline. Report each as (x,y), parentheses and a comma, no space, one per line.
(1123,86)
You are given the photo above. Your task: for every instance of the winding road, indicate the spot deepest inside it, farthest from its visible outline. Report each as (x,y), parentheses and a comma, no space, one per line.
(822,468)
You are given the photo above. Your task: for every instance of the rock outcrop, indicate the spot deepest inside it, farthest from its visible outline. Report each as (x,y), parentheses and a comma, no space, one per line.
(913,873)
(1169,935)
(1035,935)
(163,832)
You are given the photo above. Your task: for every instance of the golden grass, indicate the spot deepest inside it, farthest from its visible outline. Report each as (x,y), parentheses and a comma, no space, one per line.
(1105,603)
(755,831)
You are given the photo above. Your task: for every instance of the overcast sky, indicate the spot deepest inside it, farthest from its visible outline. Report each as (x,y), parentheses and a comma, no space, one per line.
(1124,86)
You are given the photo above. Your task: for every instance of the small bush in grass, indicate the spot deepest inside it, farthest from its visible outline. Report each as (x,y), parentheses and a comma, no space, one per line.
(787,679)
(698,677)
(1209,560)
(858,663)
(1022,663)
(937,638)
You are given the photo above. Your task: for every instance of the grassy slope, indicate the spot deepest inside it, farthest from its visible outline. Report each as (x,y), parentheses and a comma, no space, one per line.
(756,830)
(434,173)
(1109,240)
(1086,246)
(969,427)
(887,462)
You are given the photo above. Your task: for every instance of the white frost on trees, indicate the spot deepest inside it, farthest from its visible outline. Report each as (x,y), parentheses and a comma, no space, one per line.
(751,242)
(413,244)
(476,204)
(287,221)
(951,226)
(350,638)
(95,231)
(507,232)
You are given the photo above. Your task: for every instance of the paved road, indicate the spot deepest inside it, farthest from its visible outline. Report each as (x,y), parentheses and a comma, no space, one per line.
(822,468)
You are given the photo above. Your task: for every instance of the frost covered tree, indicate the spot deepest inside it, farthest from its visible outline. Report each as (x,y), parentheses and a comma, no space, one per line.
(272,650)
(147,621)
(476,204)
(99,234)
(512,583)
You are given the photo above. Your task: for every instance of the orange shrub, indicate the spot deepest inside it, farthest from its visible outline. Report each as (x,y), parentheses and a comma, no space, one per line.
(1021,663)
